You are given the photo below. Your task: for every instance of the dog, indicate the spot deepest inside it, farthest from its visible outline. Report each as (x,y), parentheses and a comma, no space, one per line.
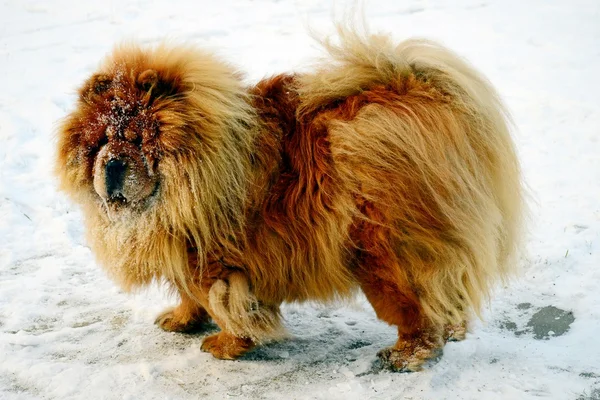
(389,168)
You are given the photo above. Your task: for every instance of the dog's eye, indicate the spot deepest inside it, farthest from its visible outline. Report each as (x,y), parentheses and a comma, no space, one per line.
(97,85)
(92,142)
(102,84)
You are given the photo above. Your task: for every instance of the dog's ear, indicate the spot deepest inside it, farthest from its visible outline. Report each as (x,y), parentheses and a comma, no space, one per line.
(156,85)
(95,86)
(147,80)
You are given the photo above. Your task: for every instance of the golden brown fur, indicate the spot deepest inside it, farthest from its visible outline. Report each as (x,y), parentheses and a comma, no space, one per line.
(390,169)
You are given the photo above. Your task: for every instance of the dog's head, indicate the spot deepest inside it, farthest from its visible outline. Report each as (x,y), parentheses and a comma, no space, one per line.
(165,123)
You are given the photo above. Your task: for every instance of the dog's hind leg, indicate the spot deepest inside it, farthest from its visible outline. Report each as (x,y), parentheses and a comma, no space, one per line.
(455,332)
(395,302)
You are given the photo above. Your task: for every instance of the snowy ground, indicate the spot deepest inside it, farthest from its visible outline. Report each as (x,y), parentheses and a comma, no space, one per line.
(67,332)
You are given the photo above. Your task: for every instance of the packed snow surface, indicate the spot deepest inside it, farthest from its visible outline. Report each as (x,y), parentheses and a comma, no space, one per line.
(67,332)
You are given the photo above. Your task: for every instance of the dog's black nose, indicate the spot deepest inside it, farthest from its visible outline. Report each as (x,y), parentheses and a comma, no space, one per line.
(115,175)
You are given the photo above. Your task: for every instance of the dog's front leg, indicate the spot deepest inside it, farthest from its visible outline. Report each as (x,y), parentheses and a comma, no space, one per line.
(244,320)
(188,316)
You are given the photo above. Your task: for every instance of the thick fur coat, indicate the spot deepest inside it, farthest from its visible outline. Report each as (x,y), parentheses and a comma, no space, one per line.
(390,168)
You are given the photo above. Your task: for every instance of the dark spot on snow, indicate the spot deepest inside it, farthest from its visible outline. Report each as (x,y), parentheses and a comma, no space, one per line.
(589,375)
(508,325)
(579,228)
(593,395)
(545,323)
(558,368)
(550,321)
(18,388)
(357,344)
(493,361)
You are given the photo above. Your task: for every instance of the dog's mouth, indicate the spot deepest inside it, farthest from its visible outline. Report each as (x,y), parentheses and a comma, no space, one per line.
(117,200)
(117,204)
(114,205)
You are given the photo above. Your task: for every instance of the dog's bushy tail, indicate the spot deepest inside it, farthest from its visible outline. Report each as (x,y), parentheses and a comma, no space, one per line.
(439,158)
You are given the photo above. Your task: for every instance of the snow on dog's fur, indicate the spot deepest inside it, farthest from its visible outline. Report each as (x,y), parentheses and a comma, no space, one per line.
(389,168)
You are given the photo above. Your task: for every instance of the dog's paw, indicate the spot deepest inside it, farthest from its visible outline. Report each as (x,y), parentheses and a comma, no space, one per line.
(455,332)
(173,320)
(225,346)
(401,361)
(412,355)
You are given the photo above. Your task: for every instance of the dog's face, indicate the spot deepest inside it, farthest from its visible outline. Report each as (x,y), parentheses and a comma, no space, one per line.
(121,133)
(110,146)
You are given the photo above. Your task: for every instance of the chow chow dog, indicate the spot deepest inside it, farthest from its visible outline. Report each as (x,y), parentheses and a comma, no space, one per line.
(389,168)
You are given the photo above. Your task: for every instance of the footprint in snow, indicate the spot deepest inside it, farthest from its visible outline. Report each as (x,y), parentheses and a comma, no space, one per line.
(547,322)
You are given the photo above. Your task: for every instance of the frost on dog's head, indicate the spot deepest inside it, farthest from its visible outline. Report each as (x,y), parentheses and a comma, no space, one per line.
(152,124)
(121,128)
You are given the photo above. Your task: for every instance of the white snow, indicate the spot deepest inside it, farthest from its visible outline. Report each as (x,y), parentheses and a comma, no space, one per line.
(67,332)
